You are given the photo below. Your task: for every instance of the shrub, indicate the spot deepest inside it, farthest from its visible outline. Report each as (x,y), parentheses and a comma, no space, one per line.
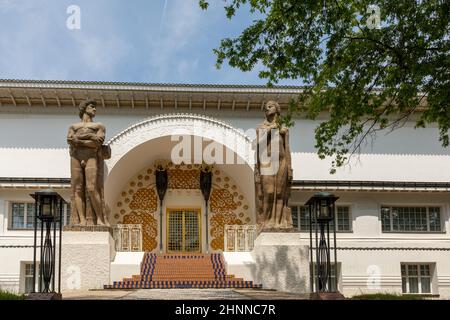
(387,296)
(5,295)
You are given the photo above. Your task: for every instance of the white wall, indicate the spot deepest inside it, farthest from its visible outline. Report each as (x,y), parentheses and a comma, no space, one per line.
(39,149)
(367,248)
(47,128)
(22,132)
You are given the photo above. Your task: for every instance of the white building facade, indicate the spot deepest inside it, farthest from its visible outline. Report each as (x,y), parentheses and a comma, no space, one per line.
(392,214)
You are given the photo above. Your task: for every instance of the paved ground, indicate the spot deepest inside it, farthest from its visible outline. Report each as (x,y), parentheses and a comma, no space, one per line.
(182,294)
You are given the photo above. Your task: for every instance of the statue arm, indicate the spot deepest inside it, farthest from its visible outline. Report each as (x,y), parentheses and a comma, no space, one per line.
(101,132)
(98,137)
(83,140)
(71,139)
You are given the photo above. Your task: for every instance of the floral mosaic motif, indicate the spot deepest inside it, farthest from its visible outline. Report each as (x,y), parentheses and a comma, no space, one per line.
(222,201)
(224,207)
(183,179)
(149,228)
(138,203)
(144,199)
(218,222)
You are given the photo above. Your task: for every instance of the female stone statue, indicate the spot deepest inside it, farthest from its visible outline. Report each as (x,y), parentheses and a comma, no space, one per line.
(273,172)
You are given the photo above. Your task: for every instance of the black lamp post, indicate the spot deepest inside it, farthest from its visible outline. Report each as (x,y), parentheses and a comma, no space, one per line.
(161,188)
(205,186)
(321,213)
(48,210)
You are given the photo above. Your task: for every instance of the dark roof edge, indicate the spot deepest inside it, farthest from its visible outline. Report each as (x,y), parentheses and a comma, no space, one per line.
(370,184)
(295,183)
(36,180)
(186,85)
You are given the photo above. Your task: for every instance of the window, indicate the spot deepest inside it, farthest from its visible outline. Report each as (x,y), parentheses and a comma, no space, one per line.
(300,218)
(343,218)
(410,219)
(333,287)
(416,278)
(22,215)
(29,277)
(66,215)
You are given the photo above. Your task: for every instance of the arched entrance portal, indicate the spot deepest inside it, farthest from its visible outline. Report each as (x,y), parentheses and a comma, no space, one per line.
(130,191)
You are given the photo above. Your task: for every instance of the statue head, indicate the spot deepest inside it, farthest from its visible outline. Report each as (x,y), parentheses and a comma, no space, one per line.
(272,108)
(88,106)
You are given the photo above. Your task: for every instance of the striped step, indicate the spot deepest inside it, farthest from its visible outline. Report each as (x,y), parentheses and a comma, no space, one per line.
(169,271)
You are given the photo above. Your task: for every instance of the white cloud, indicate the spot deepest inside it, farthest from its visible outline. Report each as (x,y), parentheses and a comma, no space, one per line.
(36,44)
(100,53)
(178,28)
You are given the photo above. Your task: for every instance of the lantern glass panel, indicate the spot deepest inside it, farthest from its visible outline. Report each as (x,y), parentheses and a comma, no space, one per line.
(324,210)
(46,207)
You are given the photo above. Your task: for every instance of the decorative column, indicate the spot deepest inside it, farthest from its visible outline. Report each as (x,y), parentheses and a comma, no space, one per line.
(321,213)
(48,210)
(161,188)
(205,186)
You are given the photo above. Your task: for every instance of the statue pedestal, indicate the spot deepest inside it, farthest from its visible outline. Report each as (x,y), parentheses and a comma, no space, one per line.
(281,262)
(86,259)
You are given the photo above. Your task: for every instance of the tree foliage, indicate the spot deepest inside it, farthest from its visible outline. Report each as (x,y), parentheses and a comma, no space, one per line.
(367,76)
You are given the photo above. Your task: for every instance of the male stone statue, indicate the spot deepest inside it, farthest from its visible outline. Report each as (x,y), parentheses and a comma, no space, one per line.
(273,172)
(87,153)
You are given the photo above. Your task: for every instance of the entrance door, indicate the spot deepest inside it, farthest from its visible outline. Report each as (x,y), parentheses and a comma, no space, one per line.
(183,230)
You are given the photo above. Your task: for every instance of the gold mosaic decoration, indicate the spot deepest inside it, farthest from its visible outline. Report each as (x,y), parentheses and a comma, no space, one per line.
(144,199)
(138,203)
(183,179)
(149,228)
(218,222)
(228,207)
(222,201)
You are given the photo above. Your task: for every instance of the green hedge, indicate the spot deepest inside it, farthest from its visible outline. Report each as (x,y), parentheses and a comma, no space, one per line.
(387,296)
(4,295)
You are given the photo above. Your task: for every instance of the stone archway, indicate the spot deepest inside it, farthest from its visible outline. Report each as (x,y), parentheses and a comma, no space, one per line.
(144,142)
(166,125)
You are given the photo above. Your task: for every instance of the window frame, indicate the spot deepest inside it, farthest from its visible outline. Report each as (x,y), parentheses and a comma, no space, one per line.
(419,277)
(66,218)
(25,215)
(426,206)
(350,217)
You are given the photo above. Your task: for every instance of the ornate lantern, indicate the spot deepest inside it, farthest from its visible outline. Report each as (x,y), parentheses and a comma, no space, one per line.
(205,186)
(321,213)
(162,182)
(48,210)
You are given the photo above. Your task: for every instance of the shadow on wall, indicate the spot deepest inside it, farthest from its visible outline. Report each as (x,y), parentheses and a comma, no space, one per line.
(282,268)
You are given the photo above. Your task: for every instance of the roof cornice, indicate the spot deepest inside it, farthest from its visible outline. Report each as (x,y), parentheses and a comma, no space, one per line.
(142,86)
(129,95)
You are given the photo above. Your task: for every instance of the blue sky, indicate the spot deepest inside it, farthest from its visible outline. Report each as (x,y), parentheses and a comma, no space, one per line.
(166,41)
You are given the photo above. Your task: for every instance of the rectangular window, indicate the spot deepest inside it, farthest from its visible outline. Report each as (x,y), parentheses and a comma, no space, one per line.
(416,278)
(343,219)
(304,218)
(294,211)
(29,277)
(18,216)
(300,218)
(410,219)
(67,215)
(22,216)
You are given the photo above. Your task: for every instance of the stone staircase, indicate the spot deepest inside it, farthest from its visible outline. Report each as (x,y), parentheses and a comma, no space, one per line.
(174,270)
